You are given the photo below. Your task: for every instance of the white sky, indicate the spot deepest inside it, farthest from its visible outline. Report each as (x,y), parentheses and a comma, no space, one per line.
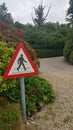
(21,10)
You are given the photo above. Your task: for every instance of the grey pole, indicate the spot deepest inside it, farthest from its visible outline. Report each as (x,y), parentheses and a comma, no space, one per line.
(22,86)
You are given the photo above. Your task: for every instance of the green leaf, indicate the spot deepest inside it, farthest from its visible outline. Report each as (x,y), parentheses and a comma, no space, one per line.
(41,103)
(45,97)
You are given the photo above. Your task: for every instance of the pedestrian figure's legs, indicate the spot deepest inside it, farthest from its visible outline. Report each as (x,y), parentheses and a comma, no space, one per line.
(19,67)
(24,66)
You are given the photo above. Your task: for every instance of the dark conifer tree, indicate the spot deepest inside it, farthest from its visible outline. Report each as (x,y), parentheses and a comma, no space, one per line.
(5,15)
(40,17)
(70,13)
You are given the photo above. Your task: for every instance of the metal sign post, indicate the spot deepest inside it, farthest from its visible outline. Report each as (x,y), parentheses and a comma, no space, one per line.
(21,65)
(22,87)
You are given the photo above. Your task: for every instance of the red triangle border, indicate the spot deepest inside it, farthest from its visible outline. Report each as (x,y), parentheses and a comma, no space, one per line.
(6,76)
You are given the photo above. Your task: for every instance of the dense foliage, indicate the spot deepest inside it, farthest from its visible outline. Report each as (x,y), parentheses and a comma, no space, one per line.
(5,56)
(51,38)
(5,15)
(37,89)
(48,41)
(70,13)
(38,92)
(13,36)
(68,50)
(39,15)
(10,34)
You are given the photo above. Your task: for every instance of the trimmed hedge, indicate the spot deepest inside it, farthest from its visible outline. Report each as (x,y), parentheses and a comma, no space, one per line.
(46,53)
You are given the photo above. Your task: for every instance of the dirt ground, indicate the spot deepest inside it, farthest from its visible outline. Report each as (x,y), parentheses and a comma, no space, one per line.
(58,115)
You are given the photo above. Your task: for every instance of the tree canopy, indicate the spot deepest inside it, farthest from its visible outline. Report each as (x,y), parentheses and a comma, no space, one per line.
(70,13)
(5,15)
(43,37)
(40,18)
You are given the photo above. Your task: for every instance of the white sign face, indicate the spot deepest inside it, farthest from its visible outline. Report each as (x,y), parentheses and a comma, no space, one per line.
(21,64)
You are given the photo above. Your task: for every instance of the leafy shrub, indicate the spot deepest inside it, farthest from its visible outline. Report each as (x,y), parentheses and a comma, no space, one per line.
(71,57)
(40,39)
(12,36)
(38,92)
(5,56)
(69,48)
(12,94)
(67,51)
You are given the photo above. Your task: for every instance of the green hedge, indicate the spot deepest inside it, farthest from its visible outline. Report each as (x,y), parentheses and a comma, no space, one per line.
(68,49)
(38,93)
(71,57)
(46,53)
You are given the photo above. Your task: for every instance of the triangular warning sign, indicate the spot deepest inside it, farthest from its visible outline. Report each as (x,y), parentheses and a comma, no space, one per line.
(20,65)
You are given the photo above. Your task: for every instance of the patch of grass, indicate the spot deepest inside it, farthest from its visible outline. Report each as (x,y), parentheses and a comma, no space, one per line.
(36,127)
(10,117)
(51,111)
(45,116)
(67,119)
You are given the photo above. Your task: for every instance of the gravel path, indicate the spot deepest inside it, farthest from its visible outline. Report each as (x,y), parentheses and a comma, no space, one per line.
(59,115)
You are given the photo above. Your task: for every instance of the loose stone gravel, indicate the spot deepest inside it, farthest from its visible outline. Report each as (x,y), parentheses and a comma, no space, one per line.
(58,115)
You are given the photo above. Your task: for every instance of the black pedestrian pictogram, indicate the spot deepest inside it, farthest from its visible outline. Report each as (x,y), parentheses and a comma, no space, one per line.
(21,62)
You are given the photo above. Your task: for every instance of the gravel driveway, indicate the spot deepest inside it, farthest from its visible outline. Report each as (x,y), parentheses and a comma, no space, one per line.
(59,115)
(57,68)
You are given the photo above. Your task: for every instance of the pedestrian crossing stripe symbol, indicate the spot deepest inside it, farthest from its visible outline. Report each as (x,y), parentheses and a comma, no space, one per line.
(20,65)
